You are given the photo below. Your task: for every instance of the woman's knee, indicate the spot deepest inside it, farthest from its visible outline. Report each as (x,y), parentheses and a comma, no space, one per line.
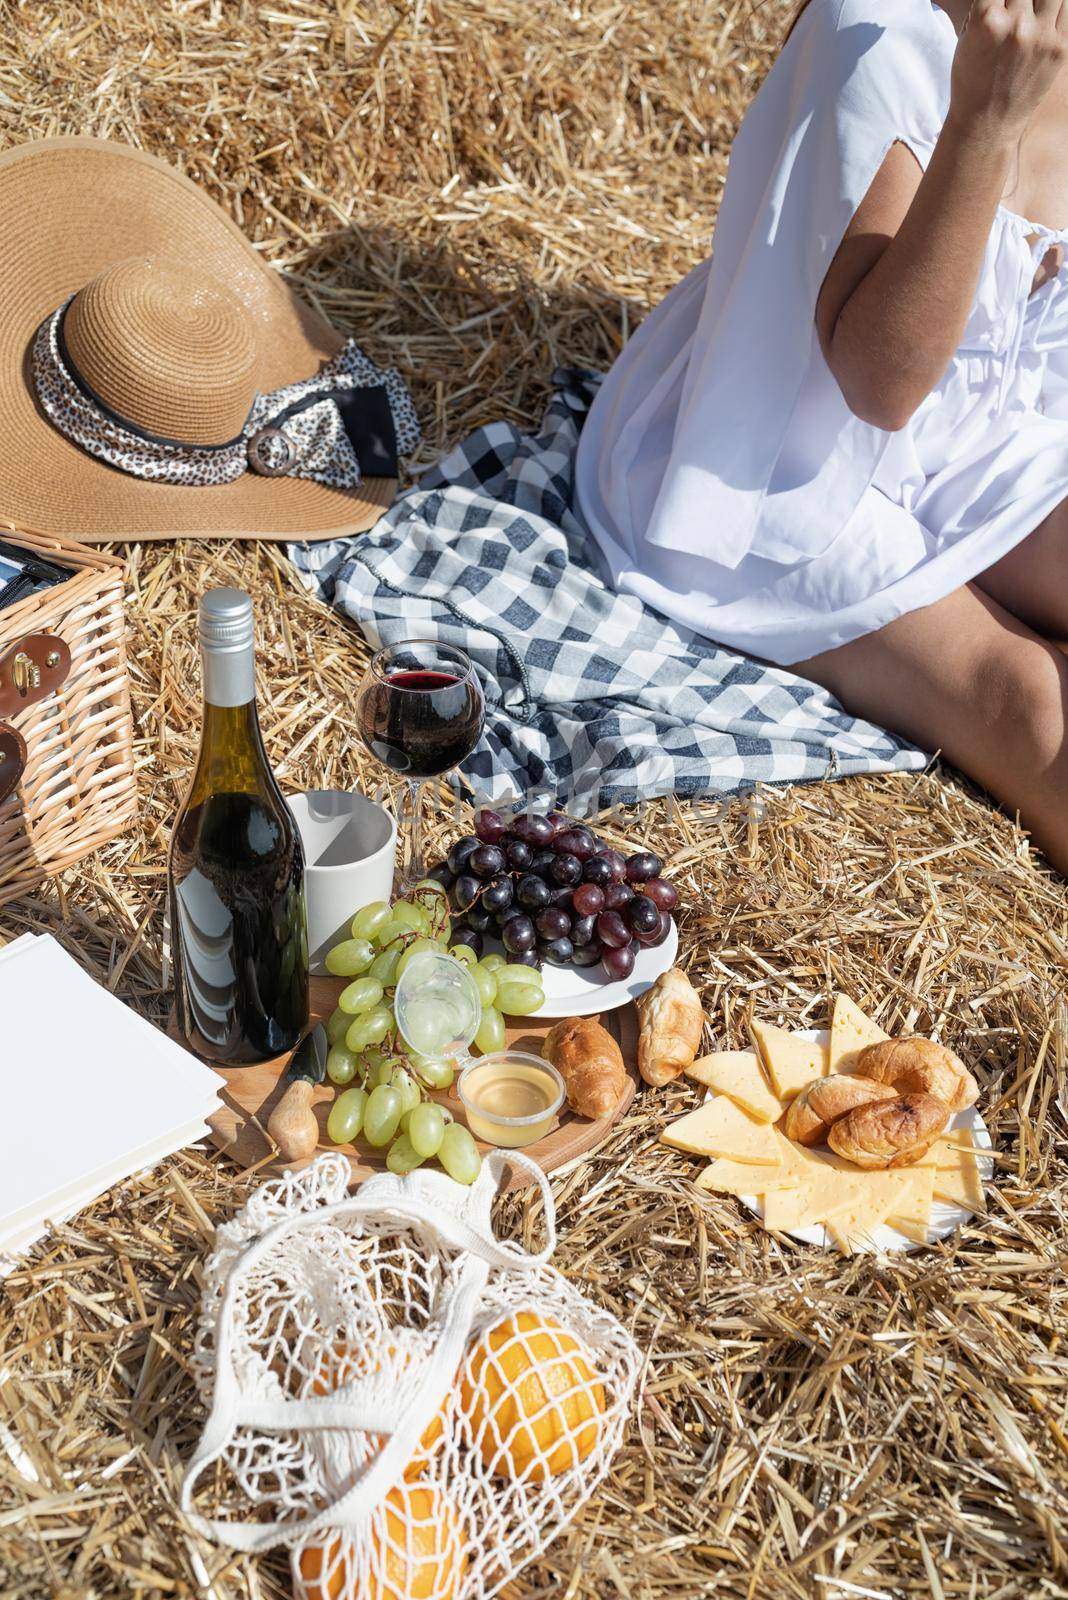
(1022,695)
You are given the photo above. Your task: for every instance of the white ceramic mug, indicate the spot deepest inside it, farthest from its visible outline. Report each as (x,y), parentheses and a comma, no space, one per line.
(350,844)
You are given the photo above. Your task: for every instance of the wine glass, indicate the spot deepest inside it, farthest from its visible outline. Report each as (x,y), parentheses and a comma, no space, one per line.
(420,711)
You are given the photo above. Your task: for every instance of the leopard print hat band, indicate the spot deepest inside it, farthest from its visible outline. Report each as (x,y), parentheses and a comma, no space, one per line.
(351,420)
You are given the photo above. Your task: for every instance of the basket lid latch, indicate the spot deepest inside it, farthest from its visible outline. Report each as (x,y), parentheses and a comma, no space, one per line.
(30,669)
(12,760)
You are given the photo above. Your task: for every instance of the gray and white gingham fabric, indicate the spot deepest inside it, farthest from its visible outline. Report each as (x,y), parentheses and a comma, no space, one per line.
(591,697)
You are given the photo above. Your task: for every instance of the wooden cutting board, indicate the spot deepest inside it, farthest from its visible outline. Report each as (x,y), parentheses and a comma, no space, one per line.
(239,1127)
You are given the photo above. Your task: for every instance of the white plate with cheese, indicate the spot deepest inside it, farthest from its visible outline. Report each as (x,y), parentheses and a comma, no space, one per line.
(944,1215)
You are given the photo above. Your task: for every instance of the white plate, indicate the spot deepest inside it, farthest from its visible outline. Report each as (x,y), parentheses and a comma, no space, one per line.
(582,991)
(944,1218)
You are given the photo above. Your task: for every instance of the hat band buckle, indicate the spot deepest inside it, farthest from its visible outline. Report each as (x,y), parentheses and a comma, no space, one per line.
(272,453)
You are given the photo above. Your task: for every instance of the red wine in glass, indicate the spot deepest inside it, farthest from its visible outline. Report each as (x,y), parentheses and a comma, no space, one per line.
(421,723)
(420,711)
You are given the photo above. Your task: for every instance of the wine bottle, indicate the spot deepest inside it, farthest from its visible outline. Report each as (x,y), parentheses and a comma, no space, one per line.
(238,932)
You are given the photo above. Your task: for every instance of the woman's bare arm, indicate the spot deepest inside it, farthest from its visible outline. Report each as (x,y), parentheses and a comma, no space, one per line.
(897,295)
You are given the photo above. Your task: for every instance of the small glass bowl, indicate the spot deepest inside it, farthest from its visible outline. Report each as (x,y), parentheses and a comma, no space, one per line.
(436,1004)
(488,1122)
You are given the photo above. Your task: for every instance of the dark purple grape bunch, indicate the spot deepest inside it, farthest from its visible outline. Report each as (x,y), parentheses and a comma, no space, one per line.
(550,890)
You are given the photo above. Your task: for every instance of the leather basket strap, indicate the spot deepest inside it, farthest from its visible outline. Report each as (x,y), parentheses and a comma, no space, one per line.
(31,668)
(12,759)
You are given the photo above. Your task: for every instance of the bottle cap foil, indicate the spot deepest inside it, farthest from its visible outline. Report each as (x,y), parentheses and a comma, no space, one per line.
(226,620)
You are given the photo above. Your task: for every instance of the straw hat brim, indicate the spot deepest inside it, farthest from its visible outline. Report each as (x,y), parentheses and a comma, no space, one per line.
(72,207)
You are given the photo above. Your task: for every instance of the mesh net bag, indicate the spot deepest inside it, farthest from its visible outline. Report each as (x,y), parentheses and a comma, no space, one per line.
(414,1407)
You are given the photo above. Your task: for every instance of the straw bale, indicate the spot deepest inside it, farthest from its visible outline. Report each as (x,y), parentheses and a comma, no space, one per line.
(480,189)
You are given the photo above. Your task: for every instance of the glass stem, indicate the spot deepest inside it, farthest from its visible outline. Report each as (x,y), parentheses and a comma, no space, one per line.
(414,866)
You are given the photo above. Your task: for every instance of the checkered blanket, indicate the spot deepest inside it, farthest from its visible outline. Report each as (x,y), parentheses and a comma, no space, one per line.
(591,698)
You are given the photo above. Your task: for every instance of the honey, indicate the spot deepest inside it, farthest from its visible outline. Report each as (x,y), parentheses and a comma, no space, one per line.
(511,1098)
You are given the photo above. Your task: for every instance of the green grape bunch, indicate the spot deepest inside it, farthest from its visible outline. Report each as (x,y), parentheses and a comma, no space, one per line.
(384,1093)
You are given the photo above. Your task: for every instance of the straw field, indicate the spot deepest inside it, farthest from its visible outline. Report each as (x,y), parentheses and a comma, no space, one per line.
(480,189)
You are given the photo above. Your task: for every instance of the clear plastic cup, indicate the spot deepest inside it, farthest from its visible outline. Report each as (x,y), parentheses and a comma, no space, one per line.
(511,1098)
(437,1006)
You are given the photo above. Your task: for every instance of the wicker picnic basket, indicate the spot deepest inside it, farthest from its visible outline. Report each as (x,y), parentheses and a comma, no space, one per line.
(66,735)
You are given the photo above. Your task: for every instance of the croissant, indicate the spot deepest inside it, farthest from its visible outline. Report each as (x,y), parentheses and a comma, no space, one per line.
(590,1062)
(824,1100)
(889,1133)
(913,1065)
(671,1023)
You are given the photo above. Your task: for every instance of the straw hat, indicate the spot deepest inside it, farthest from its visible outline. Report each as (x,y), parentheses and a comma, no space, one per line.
(175,328)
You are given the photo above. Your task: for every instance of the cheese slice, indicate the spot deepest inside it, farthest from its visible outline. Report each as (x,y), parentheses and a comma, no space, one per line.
(903,1191)
(791,1062)
(816,1199)
(853,1233)
(919,1233)
(851,1030)
(720,1128)
(913,1219)
(914,1206)
(738,1073)
(825,1185)
(808,1161)
(961,1137)
(852,1228)
(898,1186)
(946,1151)
(958,1181)
(736,1177)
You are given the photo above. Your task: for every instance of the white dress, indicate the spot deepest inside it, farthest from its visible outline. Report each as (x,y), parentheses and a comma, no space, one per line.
(720,471)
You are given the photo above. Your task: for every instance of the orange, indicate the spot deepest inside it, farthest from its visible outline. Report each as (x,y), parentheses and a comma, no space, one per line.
(322,1570)
(341,1365)
(533,1400)
(417,1552)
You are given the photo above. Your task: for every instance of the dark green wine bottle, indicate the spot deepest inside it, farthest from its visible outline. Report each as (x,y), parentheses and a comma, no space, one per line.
(238,931)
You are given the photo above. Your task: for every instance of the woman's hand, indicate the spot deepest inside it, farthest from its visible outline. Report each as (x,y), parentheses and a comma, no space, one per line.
(1008,58)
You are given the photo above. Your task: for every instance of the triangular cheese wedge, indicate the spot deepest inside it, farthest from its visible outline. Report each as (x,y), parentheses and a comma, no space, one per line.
(825,1185)
(958,1182)
(814,1200)
(961,1137)
(852,1228)
(791,1062)
(852,1233)
(851,1030)
(919,1233)
(914,1206)
(738,1073)
(720,1128)
(946,1150)
(738,1177)
(912,1216)
(808,1161)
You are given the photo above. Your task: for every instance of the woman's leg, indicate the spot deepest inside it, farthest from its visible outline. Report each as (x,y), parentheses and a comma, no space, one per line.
(1032,580)
(964,676)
